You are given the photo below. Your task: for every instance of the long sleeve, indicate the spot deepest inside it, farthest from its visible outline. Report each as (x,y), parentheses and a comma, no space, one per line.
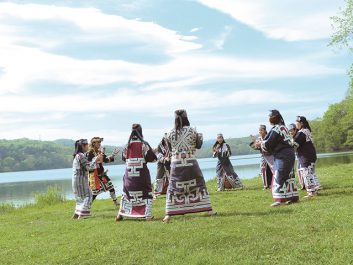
(150,156)
(229,153)
(199,140)
(76,166)
(93,163)
(124,154)
(252,145)
(299,139)
(160,154)
(270,142)
(108,159)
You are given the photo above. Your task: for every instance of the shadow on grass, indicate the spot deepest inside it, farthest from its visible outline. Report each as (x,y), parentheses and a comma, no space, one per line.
(336,193)
(195,216)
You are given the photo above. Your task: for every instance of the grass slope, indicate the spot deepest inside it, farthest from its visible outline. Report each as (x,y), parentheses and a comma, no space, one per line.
(246,231)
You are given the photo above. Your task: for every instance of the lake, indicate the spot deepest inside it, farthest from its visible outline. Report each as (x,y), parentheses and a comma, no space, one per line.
(19,187)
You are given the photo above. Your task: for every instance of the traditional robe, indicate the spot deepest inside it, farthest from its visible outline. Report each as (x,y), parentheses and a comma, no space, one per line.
(187,191)
(136,201)
(80,186)
(226,176)
(278,142)
(266,166)
(306,153)
(163,167)
(98,179)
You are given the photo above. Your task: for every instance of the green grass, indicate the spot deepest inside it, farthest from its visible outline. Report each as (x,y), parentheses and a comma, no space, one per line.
(247,231)
(51,197)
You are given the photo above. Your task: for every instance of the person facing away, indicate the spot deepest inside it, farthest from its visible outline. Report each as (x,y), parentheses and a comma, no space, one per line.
(137,198)
(187,191)
(163,166)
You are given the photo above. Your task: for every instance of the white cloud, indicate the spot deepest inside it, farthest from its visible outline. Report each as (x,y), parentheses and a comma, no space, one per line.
(195,29)
(219,42)
(99,26)
(22,66)
(136,101)
(150,89)
(291,20)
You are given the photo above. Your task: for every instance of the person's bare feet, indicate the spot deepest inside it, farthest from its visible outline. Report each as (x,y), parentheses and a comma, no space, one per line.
(166,219)
(212,213)
(311,195)
(276,204)
(118,218)
(75,216)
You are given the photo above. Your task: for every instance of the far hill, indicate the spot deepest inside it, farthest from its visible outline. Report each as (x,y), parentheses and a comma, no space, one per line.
(239,146)
(25,154)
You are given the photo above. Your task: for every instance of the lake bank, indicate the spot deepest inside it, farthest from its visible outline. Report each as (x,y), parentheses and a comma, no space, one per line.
(19,187)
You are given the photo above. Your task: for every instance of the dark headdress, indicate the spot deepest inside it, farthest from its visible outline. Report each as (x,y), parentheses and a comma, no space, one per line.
(136,132)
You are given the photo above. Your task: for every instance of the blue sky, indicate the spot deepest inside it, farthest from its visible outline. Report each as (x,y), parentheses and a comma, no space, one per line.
(78,69)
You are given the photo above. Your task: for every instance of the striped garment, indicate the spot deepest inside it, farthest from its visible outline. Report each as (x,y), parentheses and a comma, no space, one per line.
(80,186)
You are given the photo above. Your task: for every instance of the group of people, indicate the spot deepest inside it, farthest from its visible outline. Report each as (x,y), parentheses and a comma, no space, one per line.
(89,177)
(279,148)
(179,175)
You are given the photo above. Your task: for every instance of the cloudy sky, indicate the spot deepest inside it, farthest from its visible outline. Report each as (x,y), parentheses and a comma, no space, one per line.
(73,69)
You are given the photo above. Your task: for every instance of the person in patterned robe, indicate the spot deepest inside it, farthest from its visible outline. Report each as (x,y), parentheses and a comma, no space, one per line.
(226,176)
(267,160)
(137,198)
(82,192)
(304,144)
(292,128)
(187,191)
(163,166)
(98,178)
(278,142)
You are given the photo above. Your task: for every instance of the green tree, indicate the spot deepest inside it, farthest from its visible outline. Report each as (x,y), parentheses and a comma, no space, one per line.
(342,25)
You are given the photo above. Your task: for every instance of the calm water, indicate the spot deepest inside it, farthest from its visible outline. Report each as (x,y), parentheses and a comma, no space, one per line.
(20,187)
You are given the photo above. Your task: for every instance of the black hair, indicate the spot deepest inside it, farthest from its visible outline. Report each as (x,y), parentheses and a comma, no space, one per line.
(216,143)
(181,119)
(276,117)
(305,122)
(136,133)
(79,146)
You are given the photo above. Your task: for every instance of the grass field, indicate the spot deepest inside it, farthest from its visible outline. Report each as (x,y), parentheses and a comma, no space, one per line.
(246,231)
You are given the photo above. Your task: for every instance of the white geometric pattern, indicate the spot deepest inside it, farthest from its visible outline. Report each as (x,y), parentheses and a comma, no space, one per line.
(133,164)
